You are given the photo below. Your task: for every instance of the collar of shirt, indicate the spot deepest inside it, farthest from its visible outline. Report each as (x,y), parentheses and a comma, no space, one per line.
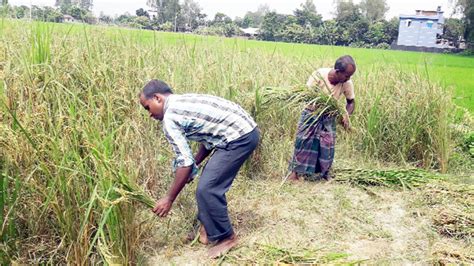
(167,103)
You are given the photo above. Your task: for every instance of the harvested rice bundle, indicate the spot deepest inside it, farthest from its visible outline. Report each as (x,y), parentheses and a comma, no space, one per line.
(134,193)
(299,97)
(406,178)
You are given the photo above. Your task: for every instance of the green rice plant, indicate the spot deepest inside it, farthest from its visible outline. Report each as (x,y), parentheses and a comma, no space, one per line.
(405,121)
(10,189)
(40,42)
(405,178)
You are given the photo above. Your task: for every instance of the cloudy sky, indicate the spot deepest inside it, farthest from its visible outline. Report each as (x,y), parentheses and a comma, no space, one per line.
(239,7)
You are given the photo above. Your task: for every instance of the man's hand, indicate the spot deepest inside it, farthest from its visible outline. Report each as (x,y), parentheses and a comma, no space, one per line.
(163,206)
(346,122)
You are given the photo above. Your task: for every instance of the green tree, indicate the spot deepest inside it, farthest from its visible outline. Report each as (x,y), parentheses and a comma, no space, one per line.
(273,24)
(77,12)
(453,30)
(221,18)
(294,33)
(167,10)
(7,11)
(141,22)
(269,27)
(85,4)
(89,18)
(307,16)
(374,10)
(391,29)
(191,16)
(346,12)
(466,8)
(247,21)
(239,22)
(376,34)
(350,22)
(142,13)
(66,4)
(47,14)
(167,26)
(124,18)
(103,18)
(327,33)
(255,19)
(21,11)
(223,25)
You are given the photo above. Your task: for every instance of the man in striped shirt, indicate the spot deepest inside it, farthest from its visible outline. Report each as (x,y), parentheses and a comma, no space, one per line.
(220,126)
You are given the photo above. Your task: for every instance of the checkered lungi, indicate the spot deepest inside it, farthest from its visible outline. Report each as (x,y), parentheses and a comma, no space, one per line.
(314,145)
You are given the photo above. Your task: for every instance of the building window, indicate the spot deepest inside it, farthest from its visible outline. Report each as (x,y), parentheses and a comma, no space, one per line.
(429,24)
(408,23)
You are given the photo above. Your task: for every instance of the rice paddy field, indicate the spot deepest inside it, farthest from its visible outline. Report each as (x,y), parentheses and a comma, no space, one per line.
(79,156)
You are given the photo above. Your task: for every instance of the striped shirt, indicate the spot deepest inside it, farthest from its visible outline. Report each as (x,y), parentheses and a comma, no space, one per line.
(210,120)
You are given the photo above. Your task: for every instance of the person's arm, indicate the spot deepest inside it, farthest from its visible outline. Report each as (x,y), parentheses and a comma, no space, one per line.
(348,88)
(163,206)
(201,154)
(184,162)
(350,106)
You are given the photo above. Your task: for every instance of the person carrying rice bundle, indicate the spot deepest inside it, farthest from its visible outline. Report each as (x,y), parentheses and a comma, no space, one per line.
(316,134)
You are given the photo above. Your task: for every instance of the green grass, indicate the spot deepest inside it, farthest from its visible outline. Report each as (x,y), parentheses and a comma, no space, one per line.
(73,135)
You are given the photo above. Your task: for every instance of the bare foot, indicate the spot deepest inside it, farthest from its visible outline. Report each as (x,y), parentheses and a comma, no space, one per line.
(203,235)
(293,177)
(223,246)
(190,236)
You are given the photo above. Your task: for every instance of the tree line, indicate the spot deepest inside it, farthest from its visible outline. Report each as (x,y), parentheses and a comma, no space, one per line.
(356,25)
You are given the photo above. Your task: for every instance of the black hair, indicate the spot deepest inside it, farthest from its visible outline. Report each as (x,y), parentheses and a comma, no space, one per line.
(155,86)
(343,62)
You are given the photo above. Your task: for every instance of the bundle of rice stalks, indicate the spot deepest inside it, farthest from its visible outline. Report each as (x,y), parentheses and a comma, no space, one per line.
(132,192)
(269,254)
(298,97)
(406,178)
(452,209)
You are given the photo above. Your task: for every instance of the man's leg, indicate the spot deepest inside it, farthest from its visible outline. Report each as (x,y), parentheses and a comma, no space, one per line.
(327,141)
(305,155)
(203,235)
(293,176)
(215,181)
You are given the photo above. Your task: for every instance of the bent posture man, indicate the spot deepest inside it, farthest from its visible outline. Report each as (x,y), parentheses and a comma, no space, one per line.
(218,125)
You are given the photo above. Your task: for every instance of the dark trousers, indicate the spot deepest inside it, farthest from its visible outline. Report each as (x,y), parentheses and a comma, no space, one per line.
(216,179)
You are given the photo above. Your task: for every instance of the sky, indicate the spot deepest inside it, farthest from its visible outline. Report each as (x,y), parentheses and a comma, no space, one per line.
(240,7)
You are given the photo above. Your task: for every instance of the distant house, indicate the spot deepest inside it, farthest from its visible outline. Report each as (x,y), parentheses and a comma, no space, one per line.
(250,32)
(68,19)
(422,29)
